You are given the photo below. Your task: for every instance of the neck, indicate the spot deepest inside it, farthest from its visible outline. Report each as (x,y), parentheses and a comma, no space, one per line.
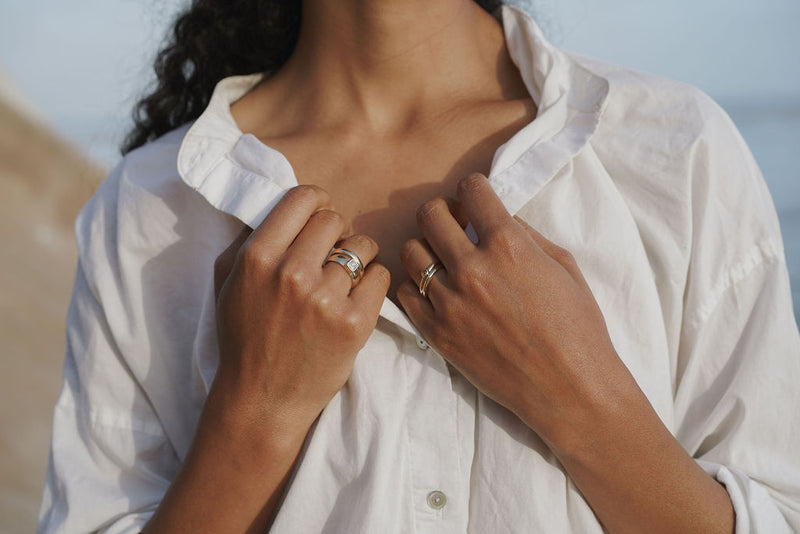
(387,64)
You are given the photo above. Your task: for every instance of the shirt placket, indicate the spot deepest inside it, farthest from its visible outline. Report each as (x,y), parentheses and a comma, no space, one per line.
(247,185)
(439,496)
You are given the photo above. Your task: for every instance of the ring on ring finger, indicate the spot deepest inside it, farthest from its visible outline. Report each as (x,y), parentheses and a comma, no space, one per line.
(349,261)
(426,275)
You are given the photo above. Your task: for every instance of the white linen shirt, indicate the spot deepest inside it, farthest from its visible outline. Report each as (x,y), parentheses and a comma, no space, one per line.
(646,181)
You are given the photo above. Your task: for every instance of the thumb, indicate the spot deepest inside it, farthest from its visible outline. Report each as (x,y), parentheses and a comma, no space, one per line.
(224,262)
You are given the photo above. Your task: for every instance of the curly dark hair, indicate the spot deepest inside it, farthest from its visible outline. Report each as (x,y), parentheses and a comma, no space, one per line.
(211,40)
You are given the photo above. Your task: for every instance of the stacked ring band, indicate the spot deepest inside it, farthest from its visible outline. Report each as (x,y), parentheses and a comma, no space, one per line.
(426,276)
(350,261)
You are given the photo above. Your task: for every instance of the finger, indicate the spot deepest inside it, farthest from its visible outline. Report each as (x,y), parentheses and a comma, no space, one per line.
(559,254)
(337,276)
(314,242)
(416,256)
(483,207)
(442,231)
(369,293)
(288,218)
(224,262)
(418,308)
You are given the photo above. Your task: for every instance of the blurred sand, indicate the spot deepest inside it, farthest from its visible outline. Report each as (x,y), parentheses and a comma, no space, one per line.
(43,184)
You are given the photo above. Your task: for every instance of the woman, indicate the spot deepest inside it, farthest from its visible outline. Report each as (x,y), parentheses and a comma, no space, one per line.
(230,367)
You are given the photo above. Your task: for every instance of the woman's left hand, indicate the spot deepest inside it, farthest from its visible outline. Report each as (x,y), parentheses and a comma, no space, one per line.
(515,316)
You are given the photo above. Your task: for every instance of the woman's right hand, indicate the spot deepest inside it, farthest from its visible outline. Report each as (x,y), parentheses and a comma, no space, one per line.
(288,327)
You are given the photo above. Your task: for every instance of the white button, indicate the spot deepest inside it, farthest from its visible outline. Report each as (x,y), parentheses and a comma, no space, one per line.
(437,500)
(422,344)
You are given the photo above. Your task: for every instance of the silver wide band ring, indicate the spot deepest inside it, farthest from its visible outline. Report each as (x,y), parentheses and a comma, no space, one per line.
(426,276)
(350,261)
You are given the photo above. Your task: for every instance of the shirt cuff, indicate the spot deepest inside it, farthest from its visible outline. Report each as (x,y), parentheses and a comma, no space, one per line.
(756,512)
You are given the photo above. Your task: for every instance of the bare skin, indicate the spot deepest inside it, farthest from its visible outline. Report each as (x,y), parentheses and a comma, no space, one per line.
(422,131)
(431,97)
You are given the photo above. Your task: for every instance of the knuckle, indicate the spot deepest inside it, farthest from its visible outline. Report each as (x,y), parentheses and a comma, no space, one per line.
(254,257)
(471,277)
(307,193)
(505,238)
(429,209)
(407,250)
(329,218)
(471,183)
(381,273)
(322,302)
(465,274)
(293,278)
(472,285)
(351,323)
(362,242)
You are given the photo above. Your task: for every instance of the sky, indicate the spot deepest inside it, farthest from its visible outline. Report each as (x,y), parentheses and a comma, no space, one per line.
(732,49)
(83,67)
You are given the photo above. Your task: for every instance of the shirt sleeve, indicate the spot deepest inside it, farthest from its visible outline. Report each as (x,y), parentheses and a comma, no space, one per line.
(110,461)
(736,392)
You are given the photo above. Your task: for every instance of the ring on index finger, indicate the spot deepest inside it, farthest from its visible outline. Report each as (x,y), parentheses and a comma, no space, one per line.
(349,261)
(426,276)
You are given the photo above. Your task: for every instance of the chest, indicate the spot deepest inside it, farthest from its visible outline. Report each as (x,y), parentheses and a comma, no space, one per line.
(379,189)
(378,185)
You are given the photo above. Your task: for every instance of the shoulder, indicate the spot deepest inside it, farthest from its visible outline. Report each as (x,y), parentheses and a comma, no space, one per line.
(652,112)
(688,177)
(141,209)
(667,134)
(151,167)
(672,137)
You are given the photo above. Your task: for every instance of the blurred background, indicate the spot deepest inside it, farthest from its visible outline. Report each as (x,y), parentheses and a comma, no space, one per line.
(69,75)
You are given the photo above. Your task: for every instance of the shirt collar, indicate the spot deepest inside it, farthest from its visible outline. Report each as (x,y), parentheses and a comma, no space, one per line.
(241,176)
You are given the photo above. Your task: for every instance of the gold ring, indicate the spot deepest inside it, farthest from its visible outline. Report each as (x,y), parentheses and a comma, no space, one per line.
(350,261)
(426,276)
